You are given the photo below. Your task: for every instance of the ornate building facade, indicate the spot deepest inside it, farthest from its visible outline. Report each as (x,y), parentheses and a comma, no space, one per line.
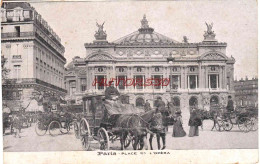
(34,53)
(195,74)
(246,92)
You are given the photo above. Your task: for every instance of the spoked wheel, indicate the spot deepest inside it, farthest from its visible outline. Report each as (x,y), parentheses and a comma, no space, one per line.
(219,125)
(76,130)
(65,127)
(85,133)
(245,124)
(41,128)
(227,125)
(127,141)
(254,122)
(54,128)
(103,139)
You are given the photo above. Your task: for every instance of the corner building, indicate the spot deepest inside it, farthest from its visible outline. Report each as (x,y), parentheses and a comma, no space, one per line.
(34,53)
(201,74)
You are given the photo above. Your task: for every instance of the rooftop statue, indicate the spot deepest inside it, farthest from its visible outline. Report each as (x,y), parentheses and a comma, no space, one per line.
(100,27)
(144,22)
(209,35)
(209,28)
(100,34)
(185,39)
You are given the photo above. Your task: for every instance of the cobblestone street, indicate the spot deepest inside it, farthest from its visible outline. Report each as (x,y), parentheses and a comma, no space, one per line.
(207,139)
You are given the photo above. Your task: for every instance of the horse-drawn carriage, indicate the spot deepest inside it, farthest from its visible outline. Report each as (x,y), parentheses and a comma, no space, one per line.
(106,121)
(55,123)
(245,118)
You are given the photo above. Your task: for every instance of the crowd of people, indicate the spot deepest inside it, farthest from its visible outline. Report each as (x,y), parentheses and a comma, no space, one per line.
(14,120)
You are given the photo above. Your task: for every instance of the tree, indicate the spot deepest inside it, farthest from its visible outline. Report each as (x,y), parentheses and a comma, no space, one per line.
(5,71)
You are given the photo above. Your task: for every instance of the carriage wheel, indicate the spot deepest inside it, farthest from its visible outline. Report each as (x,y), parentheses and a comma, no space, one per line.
(76,130)
(227,125)
(65,127)
(254,122)
(85,133)
(54,128)
(219,125)
(41,128)
(103,139)
(245,124)
(127,141)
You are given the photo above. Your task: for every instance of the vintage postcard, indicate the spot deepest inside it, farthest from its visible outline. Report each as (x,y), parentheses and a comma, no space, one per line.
(152,81)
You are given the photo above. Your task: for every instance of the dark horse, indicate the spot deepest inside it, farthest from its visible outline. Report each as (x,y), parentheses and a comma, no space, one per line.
(162,121)
(132,126)
(209,115)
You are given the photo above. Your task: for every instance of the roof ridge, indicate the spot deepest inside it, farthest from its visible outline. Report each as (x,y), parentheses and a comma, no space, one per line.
(122,38)
(166,37)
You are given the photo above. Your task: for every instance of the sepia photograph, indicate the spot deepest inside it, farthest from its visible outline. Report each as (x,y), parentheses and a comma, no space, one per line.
(115,76)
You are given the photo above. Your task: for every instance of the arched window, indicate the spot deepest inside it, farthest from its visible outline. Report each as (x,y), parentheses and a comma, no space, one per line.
(139,69)
(139,102)
(176,101)
(155,102)
(214,101)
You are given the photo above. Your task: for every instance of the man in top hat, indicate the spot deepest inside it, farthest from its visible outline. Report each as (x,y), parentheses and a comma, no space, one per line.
(230,104)
(111,92)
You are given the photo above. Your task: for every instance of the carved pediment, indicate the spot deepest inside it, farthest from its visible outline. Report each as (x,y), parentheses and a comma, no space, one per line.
(100,57)
(82,72)
(213,56)
(71,73)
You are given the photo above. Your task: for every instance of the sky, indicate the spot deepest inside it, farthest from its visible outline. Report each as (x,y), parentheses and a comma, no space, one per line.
(235,22)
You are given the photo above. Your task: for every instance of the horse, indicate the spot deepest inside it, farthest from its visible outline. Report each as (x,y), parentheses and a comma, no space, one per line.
(209,115)
(129,125)
(148,117)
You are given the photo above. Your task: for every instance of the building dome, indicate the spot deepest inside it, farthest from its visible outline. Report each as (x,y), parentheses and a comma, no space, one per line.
(144,35)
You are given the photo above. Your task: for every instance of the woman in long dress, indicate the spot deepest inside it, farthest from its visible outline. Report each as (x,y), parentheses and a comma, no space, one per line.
(178,130)
(194,123)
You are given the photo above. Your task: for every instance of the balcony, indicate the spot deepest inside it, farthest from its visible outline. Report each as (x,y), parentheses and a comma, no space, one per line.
(17,56)
(32,81)
(17,35)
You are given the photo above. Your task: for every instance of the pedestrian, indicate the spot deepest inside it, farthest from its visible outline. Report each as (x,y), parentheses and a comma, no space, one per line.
(172,108)
(158,128)
(165,113)
(194,123)
(230,104)
(178,130)
(17,126)
(147,106)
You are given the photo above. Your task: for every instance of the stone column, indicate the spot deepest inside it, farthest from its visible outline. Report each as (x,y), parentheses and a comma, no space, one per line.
(220,76)
(183,77)
(206,77)
(130,77)
(200,76)
(224,78)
